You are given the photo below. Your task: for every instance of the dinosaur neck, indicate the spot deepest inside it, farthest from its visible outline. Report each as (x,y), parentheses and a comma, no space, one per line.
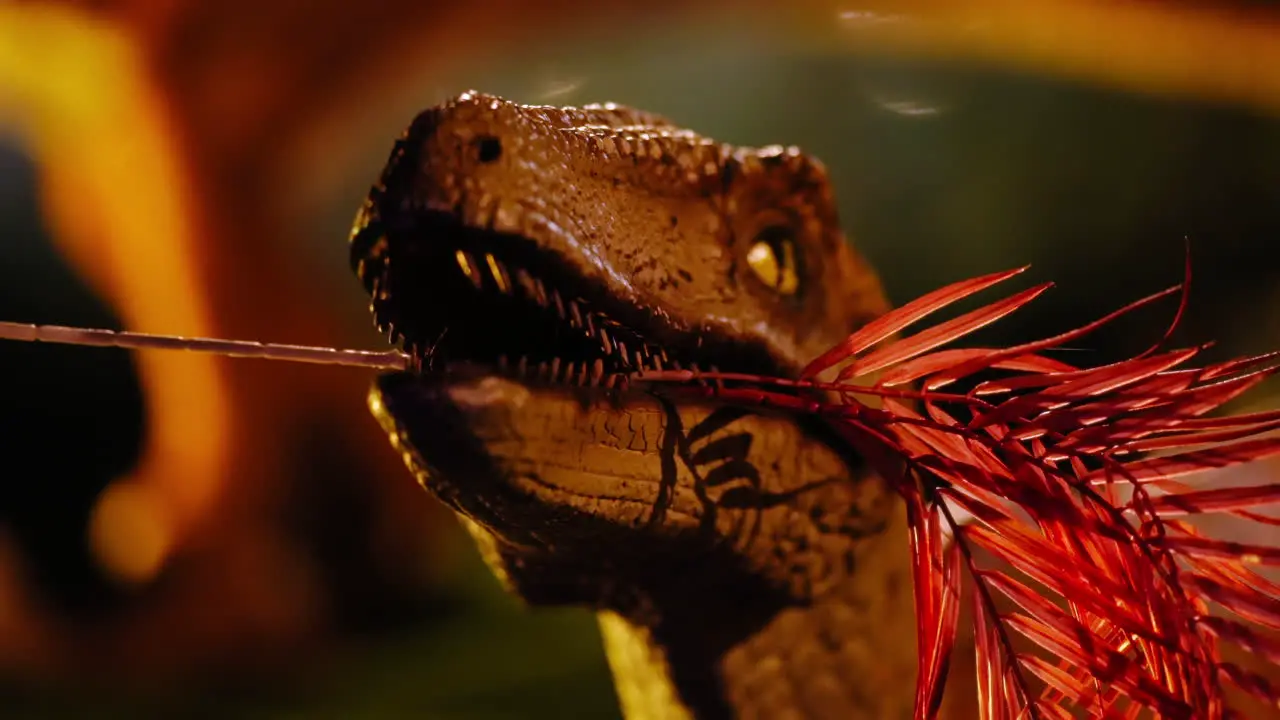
(850,653)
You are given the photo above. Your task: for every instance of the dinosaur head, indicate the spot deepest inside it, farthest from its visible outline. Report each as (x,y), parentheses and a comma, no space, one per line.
(529,257)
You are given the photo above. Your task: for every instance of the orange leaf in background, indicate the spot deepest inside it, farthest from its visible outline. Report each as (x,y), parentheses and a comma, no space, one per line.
(123,134)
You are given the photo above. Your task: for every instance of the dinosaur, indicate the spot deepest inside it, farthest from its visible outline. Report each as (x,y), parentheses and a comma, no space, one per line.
(742,563)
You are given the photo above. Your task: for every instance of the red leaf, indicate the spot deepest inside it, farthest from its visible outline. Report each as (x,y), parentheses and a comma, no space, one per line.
(1248,605)
(1052,711)
(927,340)
(1232,574)
(1182,304)
(1192,424)
(1216,500)
(919,367)
(1109,431)
(895,320)
(936,573)
(1187,463)
(1111,667)
(1040,607)
(1049,475)
(1252,683)
(1044,564)
(983,363)
(1095,382)
(1239,365)
(1060,680)
(1214,395)
(1247,554)
(1204,438)
(945,632)
(1246,637)
(999,693)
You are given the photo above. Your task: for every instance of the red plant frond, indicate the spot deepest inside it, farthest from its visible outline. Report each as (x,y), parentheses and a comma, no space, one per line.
(1112,585)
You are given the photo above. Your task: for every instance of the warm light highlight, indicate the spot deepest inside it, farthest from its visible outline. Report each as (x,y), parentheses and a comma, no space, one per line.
(130,532)
(116,196)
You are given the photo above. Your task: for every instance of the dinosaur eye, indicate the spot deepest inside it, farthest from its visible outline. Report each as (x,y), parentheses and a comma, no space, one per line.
(772,258)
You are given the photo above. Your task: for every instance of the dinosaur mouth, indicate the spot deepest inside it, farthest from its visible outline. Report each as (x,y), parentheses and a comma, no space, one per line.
(459,298)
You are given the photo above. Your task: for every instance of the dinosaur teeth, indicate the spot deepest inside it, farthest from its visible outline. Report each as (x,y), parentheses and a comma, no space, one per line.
(499,272)
(693,366)
(559,303)
(577,345)
(652,363)
(556,371)
(467,264)
(531,287)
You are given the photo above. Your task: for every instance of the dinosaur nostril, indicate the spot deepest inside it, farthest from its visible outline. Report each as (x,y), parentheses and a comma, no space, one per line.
(488,148)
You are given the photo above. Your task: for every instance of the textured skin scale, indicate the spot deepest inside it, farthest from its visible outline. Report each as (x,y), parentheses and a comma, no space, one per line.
(743,565)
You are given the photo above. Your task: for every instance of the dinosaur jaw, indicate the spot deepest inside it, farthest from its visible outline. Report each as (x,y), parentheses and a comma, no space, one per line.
(555,484)
(466,301)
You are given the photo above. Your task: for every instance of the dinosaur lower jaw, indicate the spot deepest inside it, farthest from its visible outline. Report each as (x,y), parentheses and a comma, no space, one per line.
(559,479)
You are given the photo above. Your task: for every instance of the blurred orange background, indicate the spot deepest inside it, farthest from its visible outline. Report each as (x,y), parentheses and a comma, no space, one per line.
(180,531)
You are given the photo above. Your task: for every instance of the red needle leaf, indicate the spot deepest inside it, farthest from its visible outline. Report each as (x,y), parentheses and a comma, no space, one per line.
(1115,589)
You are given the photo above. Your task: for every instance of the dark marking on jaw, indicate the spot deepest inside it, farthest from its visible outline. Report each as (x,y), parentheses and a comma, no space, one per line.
(667,451)
(719,419)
